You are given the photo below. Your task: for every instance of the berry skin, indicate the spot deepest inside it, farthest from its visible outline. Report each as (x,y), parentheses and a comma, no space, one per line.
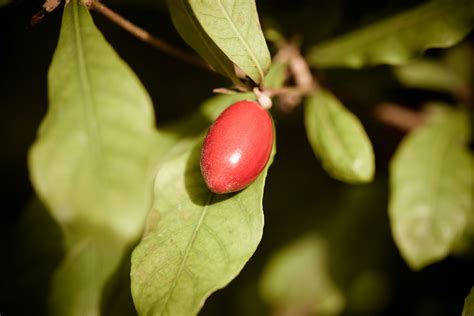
(237,147)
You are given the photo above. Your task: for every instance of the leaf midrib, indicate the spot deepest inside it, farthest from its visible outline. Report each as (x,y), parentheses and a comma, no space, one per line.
(187,252)
(94,138)
(241,39)
(340,139)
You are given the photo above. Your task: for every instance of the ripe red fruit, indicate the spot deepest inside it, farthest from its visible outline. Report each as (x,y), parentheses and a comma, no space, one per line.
(237,147)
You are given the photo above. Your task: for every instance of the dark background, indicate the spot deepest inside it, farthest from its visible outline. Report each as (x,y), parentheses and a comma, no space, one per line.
(299,196)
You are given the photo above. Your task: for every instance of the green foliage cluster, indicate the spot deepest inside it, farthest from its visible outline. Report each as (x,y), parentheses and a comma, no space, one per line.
(129,198)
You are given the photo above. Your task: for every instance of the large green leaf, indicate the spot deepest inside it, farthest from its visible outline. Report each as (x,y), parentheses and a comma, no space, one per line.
(234,26)
(192,32)
(195,241)
(431,189)
(338,139)
(93,159)
(180,140)
(297,279)
(468,309)
(436,24)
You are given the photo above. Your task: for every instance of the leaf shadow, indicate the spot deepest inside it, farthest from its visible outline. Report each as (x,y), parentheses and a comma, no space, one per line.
(194,183)
(35,249)
(117,295)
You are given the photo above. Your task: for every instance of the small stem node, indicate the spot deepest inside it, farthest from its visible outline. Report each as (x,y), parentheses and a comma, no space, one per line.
(263,98)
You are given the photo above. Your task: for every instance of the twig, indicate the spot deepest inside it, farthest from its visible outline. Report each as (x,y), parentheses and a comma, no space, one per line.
(144,35)
(290,97)
(399,116)
(48,7)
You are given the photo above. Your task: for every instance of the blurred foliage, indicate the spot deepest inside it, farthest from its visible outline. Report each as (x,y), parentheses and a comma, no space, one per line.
(432,183)
(4,2)
(468,309)
(351,224)
(296,280)
(393,41)
(451,73)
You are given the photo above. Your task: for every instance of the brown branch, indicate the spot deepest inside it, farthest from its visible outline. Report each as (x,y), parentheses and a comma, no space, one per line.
(145,36)
(48,7)
(290,97)
(399,116)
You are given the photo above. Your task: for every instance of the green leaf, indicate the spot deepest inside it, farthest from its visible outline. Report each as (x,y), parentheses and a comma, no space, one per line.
(435,24)
(195,241)
(276,75)
(338,139)
(431,183)
(235,28)
(92,163)
(297,279)
(459,60)
(429,74)
(468,309)
(192,32)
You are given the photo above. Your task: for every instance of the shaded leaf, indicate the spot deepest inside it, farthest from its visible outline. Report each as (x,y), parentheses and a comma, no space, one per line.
(468,309)
(338,139)
(459,60)
(436,24)
(296,279)
(195,241)
(35,249)
(429,74)
(192,32)
(92,161)
(431,188)
(235,29)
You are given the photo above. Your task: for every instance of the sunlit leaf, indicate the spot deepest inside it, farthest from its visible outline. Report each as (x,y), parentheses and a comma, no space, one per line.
(235,29)
(296,279)
(429,74)
(192,32)
(338,139)
(468,309)
(431,178)
(92,161)
(435,24)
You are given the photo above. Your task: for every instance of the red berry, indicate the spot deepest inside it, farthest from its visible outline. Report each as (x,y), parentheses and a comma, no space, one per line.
(237,147)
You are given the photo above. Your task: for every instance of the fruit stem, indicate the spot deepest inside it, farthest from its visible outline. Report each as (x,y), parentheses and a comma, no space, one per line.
(263,98)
